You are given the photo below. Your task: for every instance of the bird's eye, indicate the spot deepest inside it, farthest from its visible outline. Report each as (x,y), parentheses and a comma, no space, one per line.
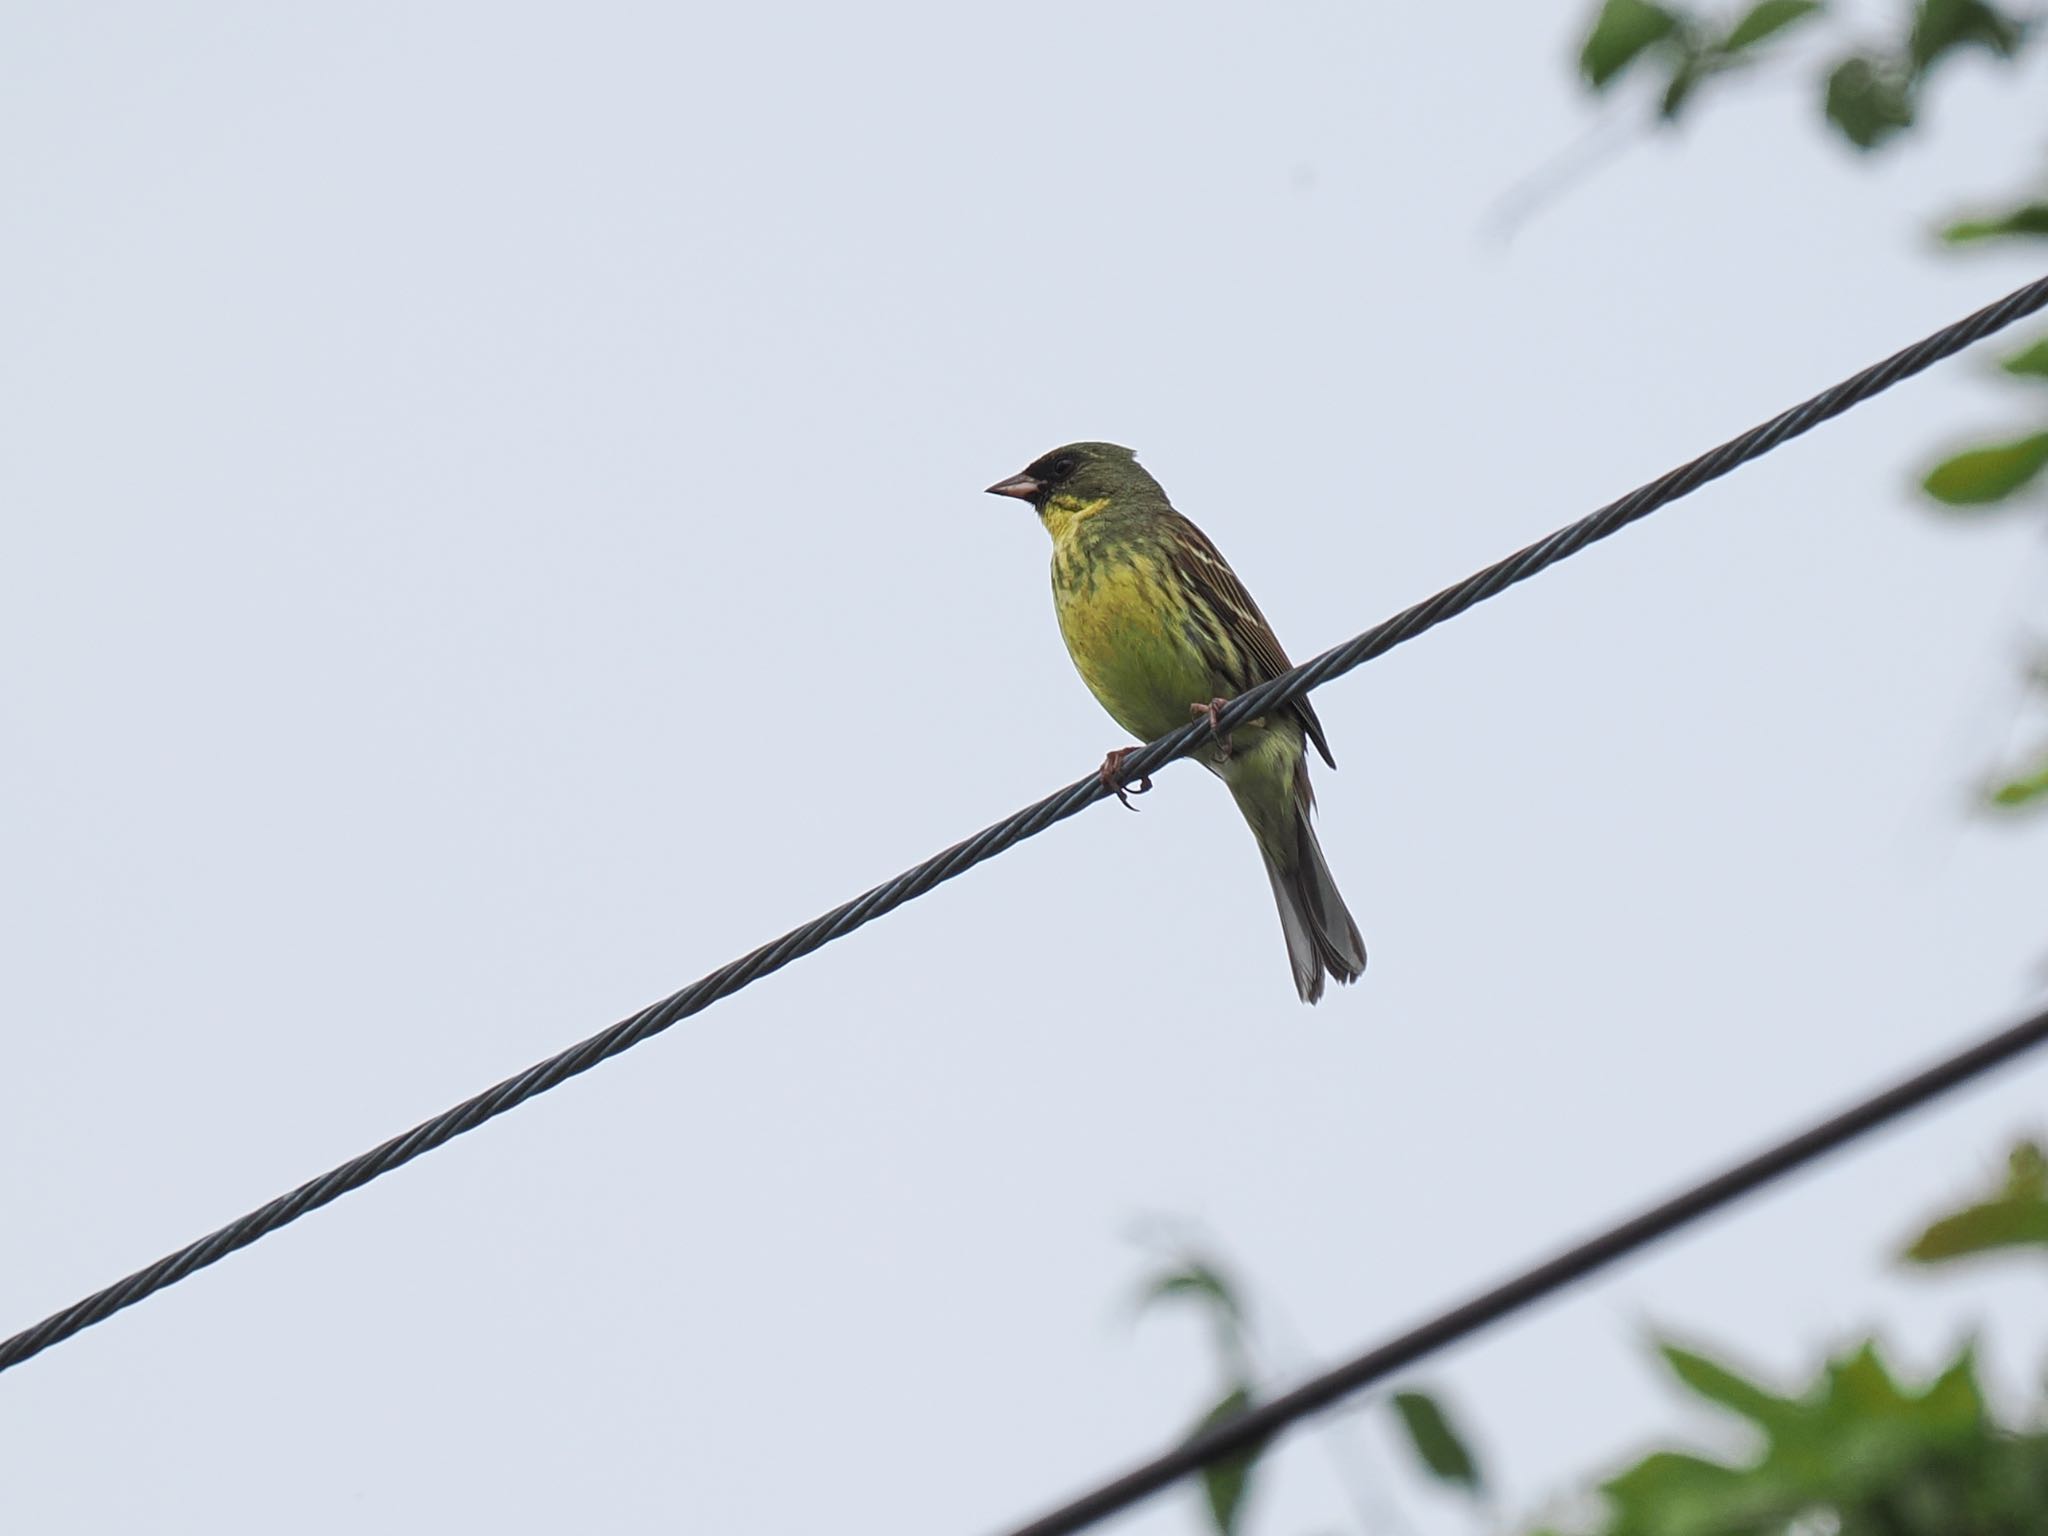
(1064,464)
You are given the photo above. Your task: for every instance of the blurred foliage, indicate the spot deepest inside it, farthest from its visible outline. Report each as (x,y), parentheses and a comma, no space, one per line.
(1684,49)
(2032,363)
(1854,1451)
(1191,1278)
(2015,1215)
(1437,1445)
(2025,219)
(2024,790)
(1979,476)
(1871,92)
(1225,1483)
(1858,1450)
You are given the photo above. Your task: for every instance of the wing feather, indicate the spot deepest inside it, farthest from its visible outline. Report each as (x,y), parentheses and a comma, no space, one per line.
(1258,654)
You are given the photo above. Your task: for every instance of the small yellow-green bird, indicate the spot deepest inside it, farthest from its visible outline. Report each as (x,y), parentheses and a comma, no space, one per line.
(1161,630)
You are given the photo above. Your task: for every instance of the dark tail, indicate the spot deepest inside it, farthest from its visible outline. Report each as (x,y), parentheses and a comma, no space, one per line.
(1321,937)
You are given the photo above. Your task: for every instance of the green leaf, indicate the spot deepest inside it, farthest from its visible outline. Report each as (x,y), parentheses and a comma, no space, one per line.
(1942,25)
(2031,363)
(1198,1281)
(2017,1215)
(1718,1384)
(1856,1452)
(2014,793)
(1667,1488)
(1981,475)
(2027,219)
(1439,1445)
(1869,100)
(1690,71)
(1227,1482)
(1954,1402)
(1766,18)
(1622,30)
(1860,1386)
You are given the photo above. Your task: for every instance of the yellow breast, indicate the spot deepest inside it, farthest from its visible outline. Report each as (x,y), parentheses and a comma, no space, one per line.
(1125,622)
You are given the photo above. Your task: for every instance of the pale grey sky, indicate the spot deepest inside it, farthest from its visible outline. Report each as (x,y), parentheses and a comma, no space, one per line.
(494,530)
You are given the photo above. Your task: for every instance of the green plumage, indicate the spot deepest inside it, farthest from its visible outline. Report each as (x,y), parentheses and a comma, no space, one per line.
(1159,626)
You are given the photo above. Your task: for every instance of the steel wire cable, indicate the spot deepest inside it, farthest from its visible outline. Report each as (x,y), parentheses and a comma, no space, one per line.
(1013,829)
(1236,1436)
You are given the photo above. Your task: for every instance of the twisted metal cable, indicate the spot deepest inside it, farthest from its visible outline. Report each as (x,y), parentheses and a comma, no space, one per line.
(1254,1428)
(1013,829)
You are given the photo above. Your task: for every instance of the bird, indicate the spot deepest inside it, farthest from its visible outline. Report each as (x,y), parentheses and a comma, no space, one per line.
(1162,631)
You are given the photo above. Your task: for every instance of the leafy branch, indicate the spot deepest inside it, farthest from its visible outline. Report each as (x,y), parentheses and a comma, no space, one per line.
(1871,92)
(1440,1450)
(1858,1450)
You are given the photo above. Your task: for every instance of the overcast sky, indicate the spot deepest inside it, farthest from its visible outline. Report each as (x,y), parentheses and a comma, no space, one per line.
(494,530)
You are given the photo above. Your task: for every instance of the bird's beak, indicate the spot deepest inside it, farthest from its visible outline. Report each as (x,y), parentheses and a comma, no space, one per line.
(1023,487)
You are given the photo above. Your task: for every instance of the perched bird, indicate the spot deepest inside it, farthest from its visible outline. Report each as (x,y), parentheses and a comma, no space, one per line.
(1162,630)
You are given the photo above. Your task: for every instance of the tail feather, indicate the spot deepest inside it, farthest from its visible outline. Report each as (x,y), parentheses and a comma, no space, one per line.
(1321,937)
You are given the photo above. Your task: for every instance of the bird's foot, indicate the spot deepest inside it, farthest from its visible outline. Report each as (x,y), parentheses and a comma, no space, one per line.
(1209,712)
(1113,779)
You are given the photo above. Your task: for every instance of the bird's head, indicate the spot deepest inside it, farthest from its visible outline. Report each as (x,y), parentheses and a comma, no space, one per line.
(1076,474)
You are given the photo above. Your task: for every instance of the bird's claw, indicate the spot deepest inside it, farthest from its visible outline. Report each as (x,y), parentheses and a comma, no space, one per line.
(1113,779)
(1209,712)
